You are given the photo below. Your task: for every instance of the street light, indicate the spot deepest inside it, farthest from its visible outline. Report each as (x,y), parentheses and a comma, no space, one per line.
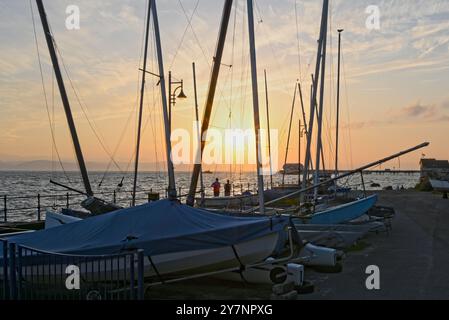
(173,96)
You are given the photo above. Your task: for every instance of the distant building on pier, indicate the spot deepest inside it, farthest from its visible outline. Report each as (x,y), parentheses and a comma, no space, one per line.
(434,169)
(292,168)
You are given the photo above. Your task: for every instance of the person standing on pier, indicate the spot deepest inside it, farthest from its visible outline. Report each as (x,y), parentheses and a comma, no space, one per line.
(227,189)
(216,187)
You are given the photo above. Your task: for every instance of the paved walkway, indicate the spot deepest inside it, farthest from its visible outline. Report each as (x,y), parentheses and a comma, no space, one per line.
(413,259)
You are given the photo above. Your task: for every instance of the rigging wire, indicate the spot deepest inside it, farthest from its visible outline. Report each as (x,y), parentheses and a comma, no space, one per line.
(45,97)
(347,106)
(298,40)
(189,20)
(133,111)
(90,122)
(232,81)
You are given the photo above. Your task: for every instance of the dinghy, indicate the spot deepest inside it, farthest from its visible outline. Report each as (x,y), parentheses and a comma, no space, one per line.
(342,213)
(177,240)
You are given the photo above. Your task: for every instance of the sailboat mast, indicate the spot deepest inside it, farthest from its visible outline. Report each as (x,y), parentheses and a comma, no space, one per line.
(338,102)
(252,48)
(168,149)
(268,127)
(320,110)
(302,107)
(142,93)
(299,152)
(64,98)
(289,133)
(198,127)
(210,95)
(313,100)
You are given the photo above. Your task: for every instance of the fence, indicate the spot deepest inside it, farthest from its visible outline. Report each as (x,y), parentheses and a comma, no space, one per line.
(31,274)
(30,207)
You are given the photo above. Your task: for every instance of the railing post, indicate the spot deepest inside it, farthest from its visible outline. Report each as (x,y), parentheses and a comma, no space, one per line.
(19,273)
(38,207)
(5,270)
(132,278)
(5,209)
(12,272)
(115,197)
(67,200)
(140,275)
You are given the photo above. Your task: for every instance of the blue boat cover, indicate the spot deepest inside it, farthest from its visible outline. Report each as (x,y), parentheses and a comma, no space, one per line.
(160,227)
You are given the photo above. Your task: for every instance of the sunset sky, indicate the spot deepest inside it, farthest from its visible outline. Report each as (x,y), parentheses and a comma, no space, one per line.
(395,80)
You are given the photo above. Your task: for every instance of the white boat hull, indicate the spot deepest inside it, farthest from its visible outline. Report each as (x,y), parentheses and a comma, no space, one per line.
(170,265)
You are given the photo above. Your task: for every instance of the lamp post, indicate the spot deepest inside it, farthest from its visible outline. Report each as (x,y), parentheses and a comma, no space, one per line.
(173,96)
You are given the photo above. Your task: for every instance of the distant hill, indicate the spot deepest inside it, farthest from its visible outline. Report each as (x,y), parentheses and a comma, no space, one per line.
(47,165)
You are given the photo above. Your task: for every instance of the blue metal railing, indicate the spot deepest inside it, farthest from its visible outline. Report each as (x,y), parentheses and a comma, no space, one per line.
(29,273)
(18,208)
(4,293)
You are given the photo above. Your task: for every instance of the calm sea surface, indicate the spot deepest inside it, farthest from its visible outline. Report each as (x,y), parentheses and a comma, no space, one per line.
(21,188)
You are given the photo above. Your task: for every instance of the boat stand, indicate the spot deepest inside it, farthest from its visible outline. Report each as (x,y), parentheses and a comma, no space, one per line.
(239,269)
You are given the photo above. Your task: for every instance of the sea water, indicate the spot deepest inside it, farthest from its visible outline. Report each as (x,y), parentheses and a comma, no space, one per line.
(21,188)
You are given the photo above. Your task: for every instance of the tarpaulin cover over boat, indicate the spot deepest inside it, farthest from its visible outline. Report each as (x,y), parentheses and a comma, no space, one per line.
(159,227)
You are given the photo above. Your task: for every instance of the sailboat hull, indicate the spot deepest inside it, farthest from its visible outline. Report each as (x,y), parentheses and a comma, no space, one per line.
(343,213)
